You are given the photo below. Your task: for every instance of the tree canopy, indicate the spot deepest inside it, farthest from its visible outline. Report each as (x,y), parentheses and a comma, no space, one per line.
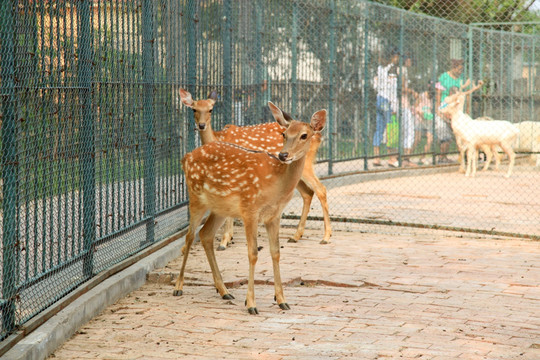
(472,11)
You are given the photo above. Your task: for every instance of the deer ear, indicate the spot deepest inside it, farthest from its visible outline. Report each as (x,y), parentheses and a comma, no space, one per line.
(278,114)
(287,116)
(213,96)
(185,96)
(318,120)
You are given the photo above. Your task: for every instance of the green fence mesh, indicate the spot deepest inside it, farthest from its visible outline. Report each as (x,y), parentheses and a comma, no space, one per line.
(93,128)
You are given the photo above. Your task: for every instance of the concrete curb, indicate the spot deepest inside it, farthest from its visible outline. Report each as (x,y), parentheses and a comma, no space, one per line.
(53,333)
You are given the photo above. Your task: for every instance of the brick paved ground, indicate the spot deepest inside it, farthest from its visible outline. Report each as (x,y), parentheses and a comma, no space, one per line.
(378,292)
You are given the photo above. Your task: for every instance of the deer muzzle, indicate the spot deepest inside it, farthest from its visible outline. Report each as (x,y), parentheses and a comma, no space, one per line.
(284,157)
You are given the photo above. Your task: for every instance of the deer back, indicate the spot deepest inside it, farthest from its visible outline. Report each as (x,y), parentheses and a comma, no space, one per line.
(263,137)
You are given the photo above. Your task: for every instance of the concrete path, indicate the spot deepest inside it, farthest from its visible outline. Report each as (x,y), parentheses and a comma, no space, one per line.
(376,292)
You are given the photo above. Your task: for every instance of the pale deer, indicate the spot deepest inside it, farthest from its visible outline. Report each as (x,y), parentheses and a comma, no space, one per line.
(263,137)
(489,150)
(255,186)
(473,133)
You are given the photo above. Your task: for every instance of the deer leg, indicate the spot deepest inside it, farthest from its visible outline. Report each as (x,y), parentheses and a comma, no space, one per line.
(272,229)
(250,225)
(470,154)
(320,191)
(461,155)
(227,234)
(497,156)
(207,234)
(489,155)
(462,160)
(307,196)
(511,157)
(196,216)
(474,161)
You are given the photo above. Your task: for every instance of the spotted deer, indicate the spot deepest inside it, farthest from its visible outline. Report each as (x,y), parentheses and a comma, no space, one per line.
(263,137)
(232,181)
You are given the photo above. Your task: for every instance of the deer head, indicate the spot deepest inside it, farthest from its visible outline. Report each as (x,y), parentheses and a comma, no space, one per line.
(202,109)
(455,102)
(297,134)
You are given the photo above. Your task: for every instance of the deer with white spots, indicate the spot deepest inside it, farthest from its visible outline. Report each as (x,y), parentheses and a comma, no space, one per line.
(264,137)
(231,181)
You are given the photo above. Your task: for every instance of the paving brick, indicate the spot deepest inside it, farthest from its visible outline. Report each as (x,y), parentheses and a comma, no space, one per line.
(399,294)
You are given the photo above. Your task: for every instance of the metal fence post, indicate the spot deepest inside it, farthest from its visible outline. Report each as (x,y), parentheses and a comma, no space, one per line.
(227,63)
(532,60)
(294,59)
(331,65)
(470,54)
(191,34)
(10,166)
(400,92)
(433,98)
(366,89)
(511,72)
(258,59)
(88,141)
(148,117)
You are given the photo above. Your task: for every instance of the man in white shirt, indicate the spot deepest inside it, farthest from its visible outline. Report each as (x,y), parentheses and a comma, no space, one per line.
(385,84)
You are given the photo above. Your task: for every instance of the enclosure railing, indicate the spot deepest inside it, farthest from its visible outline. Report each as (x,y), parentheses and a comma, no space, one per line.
(93,129)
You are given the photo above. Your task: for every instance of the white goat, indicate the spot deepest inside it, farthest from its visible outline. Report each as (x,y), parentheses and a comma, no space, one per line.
(473,133)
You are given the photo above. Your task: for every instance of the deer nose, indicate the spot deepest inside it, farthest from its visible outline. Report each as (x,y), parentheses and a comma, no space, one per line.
(202,126)
(283,156)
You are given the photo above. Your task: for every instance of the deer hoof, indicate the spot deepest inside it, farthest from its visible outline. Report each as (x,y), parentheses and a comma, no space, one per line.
(324,242)
(177,293)
(284,306)
(292,240)
(253,311)
(227,297)
(221,248)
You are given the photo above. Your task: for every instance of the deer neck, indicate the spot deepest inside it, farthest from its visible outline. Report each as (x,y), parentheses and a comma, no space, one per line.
(292,174)
(207,135)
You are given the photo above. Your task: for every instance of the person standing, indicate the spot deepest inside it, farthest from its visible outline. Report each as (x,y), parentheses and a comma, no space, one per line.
(408,115)
(425,116)
(453,78)
(385,84)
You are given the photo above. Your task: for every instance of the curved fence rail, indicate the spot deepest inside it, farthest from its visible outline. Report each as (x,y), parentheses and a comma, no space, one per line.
(93,129)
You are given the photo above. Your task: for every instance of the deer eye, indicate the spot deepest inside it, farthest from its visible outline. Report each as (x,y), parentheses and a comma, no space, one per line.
(194,111)
(303,136)
(210,111)
(283,134)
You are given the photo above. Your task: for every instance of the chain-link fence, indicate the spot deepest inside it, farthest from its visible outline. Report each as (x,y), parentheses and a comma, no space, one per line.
(91,142)
(93,128)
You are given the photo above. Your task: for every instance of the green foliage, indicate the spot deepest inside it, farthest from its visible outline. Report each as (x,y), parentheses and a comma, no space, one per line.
(471,11)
